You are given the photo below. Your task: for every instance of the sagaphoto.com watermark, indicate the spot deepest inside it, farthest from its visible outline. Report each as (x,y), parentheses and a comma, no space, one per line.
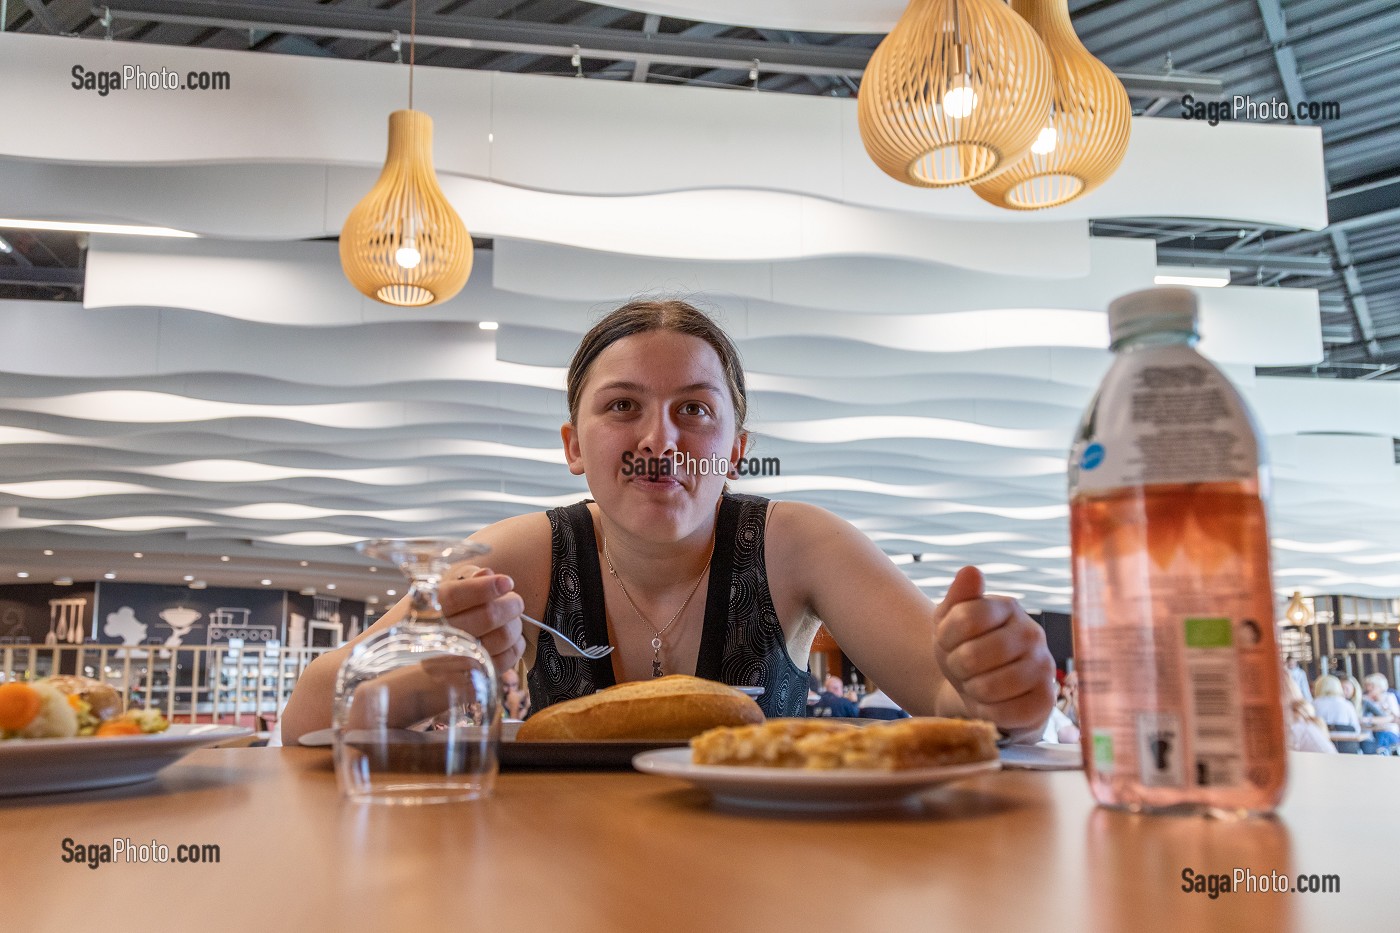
(136,78)
(1248,881)
(1243,107)
(685,464)
(94,855)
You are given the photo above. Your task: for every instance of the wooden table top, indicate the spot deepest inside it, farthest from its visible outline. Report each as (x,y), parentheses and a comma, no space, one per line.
(578,852)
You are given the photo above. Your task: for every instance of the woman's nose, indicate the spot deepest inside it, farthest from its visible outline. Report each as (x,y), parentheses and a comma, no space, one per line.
(659,436)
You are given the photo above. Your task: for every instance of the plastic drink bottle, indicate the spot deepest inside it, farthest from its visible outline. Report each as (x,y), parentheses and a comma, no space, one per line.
(1179,675)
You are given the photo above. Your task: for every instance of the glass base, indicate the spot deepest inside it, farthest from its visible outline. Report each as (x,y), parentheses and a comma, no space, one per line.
(385,790)
(416,772)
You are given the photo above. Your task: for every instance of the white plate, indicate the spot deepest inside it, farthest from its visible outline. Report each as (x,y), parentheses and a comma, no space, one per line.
(1043,756)
(42,766)
(801,789)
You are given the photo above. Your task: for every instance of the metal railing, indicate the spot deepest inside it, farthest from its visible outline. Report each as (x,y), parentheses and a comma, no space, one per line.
(187,683)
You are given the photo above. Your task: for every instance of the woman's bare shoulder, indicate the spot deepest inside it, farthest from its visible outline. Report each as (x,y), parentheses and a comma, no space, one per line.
(801,525)
(807,541)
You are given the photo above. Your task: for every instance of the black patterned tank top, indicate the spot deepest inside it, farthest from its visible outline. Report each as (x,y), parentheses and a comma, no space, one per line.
(741,644)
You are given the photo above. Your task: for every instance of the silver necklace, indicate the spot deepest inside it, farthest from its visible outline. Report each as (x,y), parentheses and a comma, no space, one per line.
(658,633)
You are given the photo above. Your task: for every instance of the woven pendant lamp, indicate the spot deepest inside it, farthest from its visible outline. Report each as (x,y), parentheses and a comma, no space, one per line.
(957,92)
(403,244)
(1087,136)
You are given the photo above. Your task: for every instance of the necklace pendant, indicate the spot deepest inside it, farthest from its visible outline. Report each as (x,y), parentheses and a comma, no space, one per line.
(655,667)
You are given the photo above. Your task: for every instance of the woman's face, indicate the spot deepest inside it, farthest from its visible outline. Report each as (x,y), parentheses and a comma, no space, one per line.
(647,398)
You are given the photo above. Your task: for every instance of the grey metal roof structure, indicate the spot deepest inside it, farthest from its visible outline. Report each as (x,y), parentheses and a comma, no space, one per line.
(1267,50)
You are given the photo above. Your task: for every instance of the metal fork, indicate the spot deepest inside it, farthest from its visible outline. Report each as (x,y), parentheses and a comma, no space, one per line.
(566,647)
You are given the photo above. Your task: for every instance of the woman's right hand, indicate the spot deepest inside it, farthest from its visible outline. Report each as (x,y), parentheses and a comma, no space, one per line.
(483,604)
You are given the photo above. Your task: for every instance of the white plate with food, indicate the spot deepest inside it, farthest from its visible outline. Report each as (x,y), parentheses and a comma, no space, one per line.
(43,766)
(1043,756)
(805,788)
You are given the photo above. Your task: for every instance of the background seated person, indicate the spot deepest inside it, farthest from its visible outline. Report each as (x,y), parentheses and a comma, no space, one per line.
(1381,716)
(877,705)
(830,702)
(1307,732)
(1336,711)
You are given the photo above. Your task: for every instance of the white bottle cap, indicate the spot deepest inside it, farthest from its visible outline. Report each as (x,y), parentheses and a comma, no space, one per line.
(1152,310)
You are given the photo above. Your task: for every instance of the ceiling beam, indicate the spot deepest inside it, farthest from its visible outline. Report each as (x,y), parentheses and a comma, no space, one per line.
(1278,262)
(41,275)
(1276,27)
(499,35)
(44,15)
(560,39)
(649,27)
(1361,200)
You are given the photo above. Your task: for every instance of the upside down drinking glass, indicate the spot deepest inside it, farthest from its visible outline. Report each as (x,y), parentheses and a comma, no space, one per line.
(417,711)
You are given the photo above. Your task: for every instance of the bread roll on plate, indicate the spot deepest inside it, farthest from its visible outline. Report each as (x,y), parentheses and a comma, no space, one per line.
(105,702)
(677,707)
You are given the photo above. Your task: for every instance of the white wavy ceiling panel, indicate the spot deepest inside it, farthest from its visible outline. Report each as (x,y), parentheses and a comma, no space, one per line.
(284,202)
(959,312)
(581,137)
(322,420)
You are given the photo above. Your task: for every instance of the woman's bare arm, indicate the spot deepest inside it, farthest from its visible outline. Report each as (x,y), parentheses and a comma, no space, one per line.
(970,655)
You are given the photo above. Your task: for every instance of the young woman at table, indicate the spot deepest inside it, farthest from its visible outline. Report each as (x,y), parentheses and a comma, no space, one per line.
(681,576)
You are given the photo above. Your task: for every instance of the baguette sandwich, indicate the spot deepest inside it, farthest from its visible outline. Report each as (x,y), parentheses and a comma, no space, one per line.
(673,708)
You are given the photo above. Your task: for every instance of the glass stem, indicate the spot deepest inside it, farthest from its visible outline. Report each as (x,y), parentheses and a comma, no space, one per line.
(424,608)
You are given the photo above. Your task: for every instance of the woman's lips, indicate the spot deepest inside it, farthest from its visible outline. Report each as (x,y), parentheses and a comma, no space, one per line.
(662,482)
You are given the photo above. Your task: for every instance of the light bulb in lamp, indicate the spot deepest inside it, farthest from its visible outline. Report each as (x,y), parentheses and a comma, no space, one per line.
(407,256)
(960,99)
(1044,143)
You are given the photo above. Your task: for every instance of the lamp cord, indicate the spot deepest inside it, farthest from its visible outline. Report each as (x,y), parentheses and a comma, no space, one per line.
(412,45)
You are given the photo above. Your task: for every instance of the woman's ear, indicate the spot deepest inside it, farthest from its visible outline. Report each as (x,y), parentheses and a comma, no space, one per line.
(736,453)
(573,455)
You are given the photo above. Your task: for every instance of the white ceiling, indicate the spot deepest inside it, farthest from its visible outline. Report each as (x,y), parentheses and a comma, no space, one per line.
(917,359)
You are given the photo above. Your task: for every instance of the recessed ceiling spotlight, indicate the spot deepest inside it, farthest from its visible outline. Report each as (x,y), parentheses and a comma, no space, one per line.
(391,592)
(188,578)
(489,325)
(48,553)
(109,576)
(330,586)
(306,563)
(22,575)
(198,585)
(224,558)
(63,581)
(138,555)
(308,591)
(374,570)
(267,583)
(371,600)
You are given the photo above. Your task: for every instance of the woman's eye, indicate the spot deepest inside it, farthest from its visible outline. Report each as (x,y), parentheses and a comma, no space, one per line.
(694,408)
(622,404)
